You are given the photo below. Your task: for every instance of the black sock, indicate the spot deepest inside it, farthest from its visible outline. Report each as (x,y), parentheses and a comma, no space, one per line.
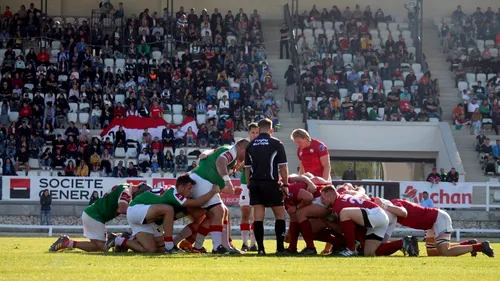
(279,229)
(258,232)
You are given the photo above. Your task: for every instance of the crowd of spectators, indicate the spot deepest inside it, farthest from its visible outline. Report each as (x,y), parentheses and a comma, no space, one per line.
(471,43)
(218,75)
(359,66)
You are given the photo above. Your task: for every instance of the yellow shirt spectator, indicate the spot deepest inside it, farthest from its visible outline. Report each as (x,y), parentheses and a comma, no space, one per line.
(365,43)
(82,170)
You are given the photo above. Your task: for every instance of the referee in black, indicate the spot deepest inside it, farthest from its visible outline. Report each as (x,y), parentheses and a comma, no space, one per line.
(265,161)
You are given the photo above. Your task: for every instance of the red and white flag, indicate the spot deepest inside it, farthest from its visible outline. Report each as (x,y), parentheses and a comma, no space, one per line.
(134,126)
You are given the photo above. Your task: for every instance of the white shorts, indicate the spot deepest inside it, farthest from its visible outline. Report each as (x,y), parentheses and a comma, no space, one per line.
(379,222)
(92,229)
(443,224)
(244,196)
(201,188)
(135,217)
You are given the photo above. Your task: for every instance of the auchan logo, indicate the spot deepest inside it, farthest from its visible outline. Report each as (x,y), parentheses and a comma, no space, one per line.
(438,196)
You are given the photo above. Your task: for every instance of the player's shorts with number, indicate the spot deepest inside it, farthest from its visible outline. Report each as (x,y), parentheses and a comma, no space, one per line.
(443,223)
(244,196)
(92,229)
(136,215)
(203,187)
(379,222)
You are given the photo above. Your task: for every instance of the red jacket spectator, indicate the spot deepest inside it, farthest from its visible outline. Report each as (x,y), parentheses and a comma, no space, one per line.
(43,56)
(25,112)
(119,111)
(229,124)
(156,111)
(404,105)
(7,14)
(17,81)
(350,114)
(156,144)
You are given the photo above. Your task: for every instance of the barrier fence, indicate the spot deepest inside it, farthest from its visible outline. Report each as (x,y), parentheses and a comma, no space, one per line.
(462,195)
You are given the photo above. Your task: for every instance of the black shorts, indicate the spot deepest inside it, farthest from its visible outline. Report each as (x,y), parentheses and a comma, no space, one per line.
(267,193)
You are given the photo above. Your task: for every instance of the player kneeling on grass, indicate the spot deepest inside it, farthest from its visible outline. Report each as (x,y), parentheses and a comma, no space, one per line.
(156,207)
(354,211)
(106,208)
(438,225)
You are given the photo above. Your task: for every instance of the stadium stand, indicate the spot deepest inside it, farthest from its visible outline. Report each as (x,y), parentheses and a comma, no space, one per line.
(471,44)
(66,79)
(357,65)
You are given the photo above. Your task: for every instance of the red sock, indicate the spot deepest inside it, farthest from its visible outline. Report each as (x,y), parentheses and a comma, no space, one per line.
(215,228)
(463,243)
(193,227)
(245,226)
(348,231)
(477,247)
(293,232)
(124,241)
(74,244)
(324,236)
(307,234)
(191,239)
(203,230)
(168,239)
(389,248)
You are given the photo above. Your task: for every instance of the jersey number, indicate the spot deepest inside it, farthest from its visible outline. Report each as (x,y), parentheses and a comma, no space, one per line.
(354,200)
(157,191)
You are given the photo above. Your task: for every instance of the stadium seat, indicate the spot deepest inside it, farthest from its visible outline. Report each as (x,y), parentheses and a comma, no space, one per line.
(45,173)
(343,92)
(481,77)
(131,153)
(120,98)
(494,52)
(328,26)
(417,67)
(83,106)
(72,117)
(34,163)
(167,117)
(120,63)
(156,55)
(95,175)
(480,43)
(32,173)
(489,44)
(120,152)
(84,118)
(177,108)
(109,62)
(73,107)
(156,175)
(56,45)
(462,85)
(434,120)
(13,116)
(201,118)
(471,77)
(177,119)
(144,175)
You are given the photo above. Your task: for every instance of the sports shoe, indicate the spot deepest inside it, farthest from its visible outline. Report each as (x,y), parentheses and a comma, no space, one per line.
(244,248)
(123,248)
(234,251)
(174,250)
(472,242)
(186,246)
(220,250)
(202,250)
(110,241)
(61,243)
(261,253)
(488,250)
(280,253)
(348,253)
(290,252)
(406,245)
(253,248)
(413,250)
(308,252)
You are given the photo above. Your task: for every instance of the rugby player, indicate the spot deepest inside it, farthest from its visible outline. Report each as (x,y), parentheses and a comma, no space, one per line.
(313,155)
(214,170)
(156,207)
(246,209)
(354,211)
(438,225)
(104,209)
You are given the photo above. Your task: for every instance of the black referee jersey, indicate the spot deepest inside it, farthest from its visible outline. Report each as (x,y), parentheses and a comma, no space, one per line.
(264,155)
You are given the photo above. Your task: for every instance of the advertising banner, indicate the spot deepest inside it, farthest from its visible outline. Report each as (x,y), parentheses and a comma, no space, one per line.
(443,195)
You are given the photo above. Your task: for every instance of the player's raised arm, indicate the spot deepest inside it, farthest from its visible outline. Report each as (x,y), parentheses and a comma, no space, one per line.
(195,203)
(388,206)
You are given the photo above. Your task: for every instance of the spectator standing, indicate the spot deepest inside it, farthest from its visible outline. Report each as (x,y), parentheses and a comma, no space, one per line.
(93,197)
(452,176)
(349,174)
(426,201)
(45,202)
(265,162)
(434,177)
(284,41)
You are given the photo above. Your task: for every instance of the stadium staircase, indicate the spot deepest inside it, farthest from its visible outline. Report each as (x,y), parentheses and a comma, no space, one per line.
(449,99)
(278,69)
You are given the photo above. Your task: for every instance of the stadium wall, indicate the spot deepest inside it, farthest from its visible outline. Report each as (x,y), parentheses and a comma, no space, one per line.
(382,140)
(267,9)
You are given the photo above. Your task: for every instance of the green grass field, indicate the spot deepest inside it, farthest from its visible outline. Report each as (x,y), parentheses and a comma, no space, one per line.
(29,259)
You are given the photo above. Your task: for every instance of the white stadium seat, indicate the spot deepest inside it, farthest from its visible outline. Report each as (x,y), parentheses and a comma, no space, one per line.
(72,117)
(84,118)
(177,119)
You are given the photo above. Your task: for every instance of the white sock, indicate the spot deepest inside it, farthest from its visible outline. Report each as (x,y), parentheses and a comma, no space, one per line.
(70,245)
(244,236)
(199,241)
(252,239)
(169,245)
(119,241)
(216,239)
(225,237)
